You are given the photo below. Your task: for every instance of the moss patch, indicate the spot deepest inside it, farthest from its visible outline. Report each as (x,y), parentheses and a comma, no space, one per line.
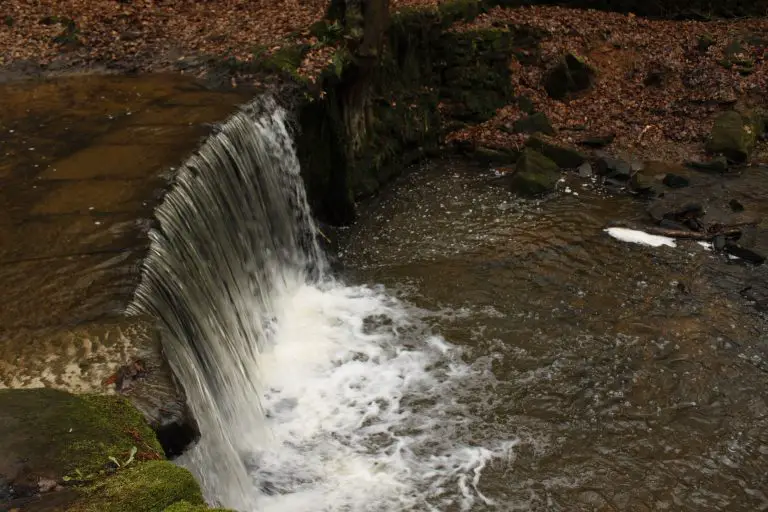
(53,434)
(185,506)
(148,487)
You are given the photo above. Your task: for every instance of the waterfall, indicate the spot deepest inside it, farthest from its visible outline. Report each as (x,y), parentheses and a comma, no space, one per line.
(301,386)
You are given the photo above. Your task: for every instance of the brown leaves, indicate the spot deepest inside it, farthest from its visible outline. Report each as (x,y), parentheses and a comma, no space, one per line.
(150,34)
(657,89)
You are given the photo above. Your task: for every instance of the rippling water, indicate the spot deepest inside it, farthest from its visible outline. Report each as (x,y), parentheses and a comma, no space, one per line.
(632,378)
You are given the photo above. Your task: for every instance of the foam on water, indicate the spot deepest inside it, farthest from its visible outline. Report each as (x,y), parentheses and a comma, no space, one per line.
(310,395)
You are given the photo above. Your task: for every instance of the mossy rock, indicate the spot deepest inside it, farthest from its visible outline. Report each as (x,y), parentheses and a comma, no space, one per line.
(185,506)
(564,156)
(534,175)
(46,433)
(148,487)
(734,135)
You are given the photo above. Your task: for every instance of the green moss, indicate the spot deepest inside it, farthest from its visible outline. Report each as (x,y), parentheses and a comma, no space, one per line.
(58,434)
(148,487)
(185,506)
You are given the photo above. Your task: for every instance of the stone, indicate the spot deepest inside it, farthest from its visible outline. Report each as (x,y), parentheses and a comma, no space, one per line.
(564,156)
(534,175)
(570,76)
(719,164)
(734,136)
(615,168)
(675,181)
(643,183)
(491,155)
(736,206)
(743,253)
(718,243)
(585,170)
(535,123)
(598,141)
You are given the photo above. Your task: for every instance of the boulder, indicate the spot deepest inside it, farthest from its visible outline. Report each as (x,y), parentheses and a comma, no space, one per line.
(734,136)
(535,174)
(571,75)
(564,156)
(535,123)
(615,168)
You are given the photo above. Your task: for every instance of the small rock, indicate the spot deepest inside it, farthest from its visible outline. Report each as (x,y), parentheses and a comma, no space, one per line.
(718,164)
(585,170)
(535,174)
(675,181)
(643,183)
(736,206)
(718,243)
(571,75)
(564,156)
(733,136)
(615,168)
(535,123)
(748,255)
(598,141)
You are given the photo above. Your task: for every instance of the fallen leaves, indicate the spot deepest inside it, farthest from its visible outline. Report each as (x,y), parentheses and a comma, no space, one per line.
(658,86)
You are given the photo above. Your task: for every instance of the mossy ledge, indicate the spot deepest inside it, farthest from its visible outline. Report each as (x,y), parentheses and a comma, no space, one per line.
(85,453)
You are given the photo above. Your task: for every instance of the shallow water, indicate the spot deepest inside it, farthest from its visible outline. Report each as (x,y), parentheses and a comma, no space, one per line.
(627,377)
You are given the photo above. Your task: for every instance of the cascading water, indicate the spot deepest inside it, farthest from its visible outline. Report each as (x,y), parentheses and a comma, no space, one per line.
(310,395)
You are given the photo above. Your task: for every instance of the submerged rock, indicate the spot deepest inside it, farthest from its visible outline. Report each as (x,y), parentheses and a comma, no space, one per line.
(564,156)
(734,136)
(570,76)
(535,174)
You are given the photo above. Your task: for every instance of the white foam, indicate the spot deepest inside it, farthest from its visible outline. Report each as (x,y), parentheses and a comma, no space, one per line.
(364,410)
(640,237)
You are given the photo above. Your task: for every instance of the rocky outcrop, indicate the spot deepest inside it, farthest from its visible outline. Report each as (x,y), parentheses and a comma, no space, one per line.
(368,119)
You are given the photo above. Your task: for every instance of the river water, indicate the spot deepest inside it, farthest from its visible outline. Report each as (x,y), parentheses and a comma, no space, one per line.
(470,350)
(624,377)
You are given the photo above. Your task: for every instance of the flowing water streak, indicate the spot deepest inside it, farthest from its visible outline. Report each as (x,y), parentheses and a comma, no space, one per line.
(235,232)
(310,395)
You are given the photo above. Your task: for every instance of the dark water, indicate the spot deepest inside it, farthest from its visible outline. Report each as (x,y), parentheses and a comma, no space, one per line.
(634,377)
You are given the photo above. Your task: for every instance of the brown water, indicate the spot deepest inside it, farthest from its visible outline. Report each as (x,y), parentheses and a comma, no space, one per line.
(83,162)
(635,377)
